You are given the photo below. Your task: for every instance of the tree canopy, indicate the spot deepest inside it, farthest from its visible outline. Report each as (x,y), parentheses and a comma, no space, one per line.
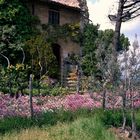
(16,26)
(92,39)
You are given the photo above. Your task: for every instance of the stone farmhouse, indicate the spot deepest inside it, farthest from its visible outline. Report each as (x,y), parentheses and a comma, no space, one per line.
(59,12)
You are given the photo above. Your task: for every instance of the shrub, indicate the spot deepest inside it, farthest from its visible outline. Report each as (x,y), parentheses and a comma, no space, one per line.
(114,118)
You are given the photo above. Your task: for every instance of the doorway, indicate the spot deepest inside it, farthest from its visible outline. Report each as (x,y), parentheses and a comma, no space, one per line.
(57,52)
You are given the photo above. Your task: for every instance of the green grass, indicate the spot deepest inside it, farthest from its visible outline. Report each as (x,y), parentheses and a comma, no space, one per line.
(48,119)
(65,125)
(81,129)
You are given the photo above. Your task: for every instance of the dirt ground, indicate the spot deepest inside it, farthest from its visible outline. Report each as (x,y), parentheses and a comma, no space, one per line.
(124,134)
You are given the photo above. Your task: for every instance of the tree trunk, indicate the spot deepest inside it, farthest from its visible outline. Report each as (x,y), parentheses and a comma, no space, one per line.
(133,121)
(33,7)
(116,41)
(84,14)
(124,110)
(104,99)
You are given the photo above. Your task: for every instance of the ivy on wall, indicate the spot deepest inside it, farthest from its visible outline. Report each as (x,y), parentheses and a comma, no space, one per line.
(40,51)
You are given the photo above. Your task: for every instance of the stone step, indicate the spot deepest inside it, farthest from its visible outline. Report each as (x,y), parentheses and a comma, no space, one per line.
(71,78)
(72,85)
(72,74)
(71,82)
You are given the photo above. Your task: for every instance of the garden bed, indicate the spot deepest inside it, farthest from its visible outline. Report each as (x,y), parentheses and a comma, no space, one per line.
(41,104)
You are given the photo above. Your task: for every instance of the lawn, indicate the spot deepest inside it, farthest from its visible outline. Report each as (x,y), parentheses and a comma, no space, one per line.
(90,128)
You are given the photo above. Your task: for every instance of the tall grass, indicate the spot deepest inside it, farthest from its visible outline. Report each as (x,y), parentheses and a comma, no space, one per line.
(49,119)
(82,124)
(81,129)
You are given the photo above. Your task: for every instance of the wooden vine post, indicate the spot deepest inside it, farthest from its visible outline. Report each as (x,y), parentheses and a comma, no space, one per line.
(30,95)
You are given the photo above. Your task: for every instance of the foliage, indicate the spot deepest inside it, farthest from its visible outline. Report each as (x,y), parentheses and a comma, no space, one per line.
(42,57)
(106,37)
(14,78)
(93,39)
(16,26)
(57,90)
(124,43)
(89,37)
(72,59)
(41,46)
(130,66)
(16,13)
(52,90)
(107,69)
(114,118)
(66,31)
(108,72)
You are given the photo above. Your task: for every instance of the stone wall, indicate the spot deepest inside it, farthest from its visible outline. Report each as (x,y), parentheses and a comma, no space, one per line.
(67,15)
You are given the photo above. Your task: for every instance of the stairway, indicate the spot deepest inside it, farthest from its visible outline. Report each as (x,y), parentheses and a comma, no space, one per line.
(72,80)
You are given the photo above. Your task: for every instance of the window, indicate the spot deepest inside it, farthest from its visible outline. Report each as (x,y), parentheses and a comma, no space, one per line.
(54,17)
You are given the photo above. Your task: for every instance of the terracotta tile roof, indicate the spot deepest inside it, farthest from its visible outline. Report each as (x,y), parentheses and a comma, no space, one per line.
(70,3)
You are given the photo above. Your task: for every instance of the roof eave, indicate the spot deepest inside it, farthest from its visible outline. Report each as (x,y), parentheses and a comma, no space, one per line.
(62,5)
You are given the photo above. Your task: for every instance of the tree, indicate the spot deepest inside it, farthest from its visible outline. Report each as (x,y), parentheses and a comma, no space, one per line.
(42,57)
(90,35)
(83,21)
(127,10)
(107,71)
(92,40)
(84,14)
(130,67)
(16,26)
(106,37)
